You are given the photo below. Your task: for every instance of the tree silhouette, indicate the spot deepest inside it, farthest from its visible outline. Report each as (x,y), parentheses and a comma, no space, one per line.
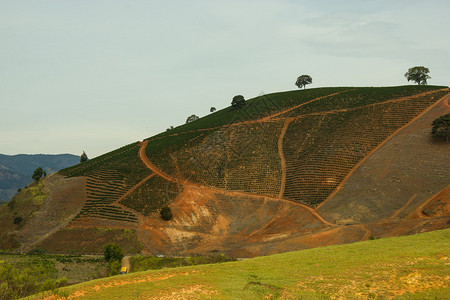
(303,80)
(418,75)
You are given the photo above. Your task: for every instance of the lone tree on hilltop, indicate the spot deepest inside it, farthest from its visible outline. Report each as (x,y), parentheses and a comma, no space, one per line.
(83,157)
(303,80)
(192,118)
(418,74)
(441,127)
(212,109)
(38,173)
(238,102)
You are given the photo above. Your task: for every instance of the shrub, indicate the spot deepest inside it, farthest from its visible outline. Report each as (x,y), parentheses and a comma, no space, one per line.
(441,127)
(18,220)
(37,251)
(113,252)
(114,267)
(166,213)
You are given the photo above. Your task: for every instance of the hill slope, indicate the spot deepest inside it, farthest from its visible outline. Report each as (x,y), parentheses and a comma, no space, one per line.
(413,267)
(16,170)
(261,180)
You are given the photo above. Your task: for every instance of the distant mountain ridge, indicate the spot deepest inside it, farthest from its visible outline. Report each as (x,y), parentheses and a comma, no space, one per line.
(16,170)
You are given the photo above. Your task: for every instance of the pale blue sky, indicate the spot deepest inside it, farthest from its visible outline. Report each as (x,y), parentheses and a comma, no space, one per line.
(95,75)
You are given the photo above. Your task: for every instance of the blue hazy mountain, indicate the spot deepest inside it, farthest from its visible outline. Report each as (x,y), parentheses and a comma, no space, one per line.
(16,170)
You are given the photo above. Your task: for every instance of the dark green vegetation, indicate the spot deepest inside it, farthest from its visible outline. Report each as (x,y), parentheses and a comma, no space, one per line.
(144,263)
(38,173)
(418,74)
(410,267)
(16,170)
(112,252)
(303,80)
(238,102)
(166,213)
(83,157)
(23,275)
(113,255)
(441,127)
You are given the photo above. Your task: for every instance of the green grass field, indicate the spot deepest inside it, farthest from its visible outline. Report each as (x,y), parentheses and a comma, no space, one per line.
(410,267)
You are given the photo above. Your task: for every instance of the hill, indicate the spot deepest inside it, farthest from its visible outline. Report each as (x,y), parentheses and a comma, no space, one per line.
(16,170)
(290,171)
(412,267)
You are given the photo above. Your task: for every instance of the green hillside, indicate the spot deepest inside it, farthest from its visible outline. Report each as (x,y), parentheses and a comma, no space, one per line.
(297,145)
(253,181)
(411,267)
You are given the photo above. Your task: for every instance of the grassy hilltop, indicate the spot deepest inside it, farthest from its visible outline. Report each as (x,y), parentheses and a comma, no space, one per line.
(260,180)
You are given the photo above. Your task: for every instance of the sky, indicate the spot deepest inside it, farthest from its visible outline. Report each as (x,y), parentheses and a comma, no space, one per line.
(89,75)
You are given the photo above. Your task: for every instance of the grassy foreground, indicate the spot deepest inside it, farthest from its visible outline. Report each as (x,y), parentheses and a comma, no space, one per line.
(416,267)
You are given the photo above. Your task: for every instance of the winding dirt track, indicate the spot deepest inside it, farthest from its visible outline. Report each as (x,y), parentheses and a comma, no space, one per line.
(282,158)
(150,165)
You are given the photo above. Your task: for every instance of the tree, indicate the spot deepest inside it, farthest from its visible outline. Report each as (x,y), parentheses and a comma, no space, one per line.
(83,157)
(441,127)
(303,80)
(238,102)
(113,252)
(418,75)
(212,109)
(192,118)
(38,173)
(166,213)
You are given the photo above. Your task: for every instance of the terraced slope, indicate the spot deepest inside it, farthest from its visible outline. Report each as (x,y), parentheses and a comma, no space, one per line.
(109,178)
(301,151)
(254,181)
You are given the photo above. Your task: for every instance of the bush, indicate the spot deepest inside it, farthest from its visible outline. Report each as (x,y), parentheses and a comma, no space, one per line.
(16,283)
(166,213)
(37,251)
(114,267)
(113,252)
(441,127)
(18,220)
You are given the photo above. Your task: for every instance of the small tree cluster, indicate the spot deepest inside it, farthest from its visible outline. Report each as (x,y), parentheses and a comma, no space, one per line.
(113,255)
(20,282)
